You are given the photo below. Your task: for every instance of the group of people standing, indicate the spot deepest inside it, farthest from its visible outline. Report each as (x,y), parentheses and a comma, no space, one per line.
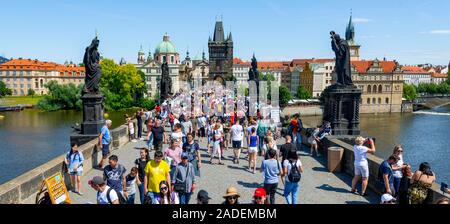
(395,180)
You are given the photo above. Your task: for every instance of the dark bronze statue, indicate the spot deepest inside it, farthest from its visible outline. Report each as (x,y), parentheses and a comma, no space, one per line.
(343,69)
(253,74)
(166,82)
(93,72)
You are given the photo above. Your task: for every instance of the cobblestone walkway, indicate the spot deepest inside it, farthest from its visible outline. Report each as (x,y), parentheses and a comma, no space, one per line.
(317,185)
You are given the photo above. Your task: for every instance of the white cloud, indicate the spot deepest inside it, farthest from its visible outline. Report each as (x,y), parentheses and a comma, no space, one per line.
(362,20)
(439,32)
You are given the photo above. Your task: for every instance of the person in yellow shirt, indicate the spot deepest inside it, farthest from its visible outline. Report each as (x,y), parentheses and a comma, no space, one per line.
(156,170)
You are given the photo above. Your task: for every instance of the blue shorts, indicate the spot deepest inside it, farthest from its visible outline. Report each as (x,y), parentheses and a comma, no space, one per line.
(78,173)
(105,150)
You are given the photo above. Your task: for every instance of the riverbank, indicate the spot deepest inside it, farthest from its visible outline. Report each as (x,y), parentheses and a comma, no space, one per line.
(19,100)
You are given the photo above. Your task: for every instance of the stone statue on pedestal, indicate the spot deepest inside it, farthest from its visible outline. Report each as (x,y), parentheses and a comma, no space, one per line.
(343,69)
(93,72)
(93,99)
(166,82)
(341,101)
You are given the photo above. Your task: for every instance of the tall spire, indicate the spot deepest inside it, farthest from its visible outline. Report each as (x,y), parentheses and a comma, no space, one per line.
(203,55)
(230,37)
(350,31)
(219,35)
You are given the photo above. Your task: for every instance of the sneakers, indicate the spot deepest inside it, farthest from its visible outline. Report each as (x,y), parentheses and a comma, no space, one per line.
(79,193)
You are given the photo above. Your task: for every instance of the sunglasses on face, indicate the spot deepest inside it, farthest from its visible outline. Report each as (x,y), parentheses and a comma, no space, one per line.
(164,188)
(258,198)
(232,198)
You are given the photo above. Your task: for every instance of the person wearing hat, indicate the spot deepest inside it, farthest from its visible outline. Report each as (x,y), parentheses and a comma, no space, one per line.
(105,194)
(387,199)
(260,196)
(203,197)
(183,179)
(231,197)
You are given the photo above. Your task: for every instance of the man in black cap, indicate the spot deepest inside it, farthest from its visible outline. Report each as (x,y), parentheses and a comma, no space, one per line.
(202,197)
(105,194)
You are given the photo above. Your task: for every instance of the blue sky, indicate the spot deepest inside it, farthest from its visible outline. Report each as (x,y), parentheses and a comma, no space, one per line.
(410,31)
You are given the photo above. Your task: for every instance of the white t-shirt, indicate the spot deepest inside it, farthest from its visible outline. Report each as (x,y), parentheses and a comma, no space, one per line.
(360,155)
(237,132)
(398,173)
(177,135)
(131,127)
(289,167)
(103,199)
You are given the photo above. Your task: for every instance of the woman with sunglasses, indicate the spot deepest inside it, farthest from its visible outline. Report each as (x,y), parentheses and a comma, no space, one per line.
(397,168)
(166,196)
(259,197)
(231,197)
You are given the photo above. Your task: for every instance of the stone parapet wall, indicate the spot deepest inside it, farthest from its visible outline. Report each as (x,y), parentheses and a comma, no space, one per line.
(27,185)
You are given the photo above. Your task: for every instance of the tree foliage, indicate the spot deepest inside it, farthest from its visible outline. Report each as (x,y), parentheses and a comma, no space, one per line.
(122,85)
(432,88)
(303,93)
(285,95)
(31,92)
(409,91)
(59,97)
(4,91)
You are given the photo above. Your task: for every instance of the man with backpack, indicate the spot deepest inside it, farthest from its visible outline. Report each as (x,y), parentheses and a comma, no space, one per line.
(292,173)
(114,175)
(105,194)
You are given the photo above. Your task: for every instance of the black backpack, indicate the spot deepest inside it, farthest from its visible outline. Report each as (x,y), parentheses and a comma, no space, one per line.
(294,176)
(122,199)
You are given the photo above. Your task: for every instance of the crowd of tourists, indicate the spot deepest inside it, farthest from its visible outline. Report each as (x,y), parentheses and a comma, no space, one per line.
(171,176)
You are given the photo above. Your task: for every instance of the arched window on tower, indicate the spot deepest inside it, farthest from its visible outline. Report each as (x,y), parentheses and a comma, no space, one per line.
(369,89)
(387,100)
(380,89)
(368,100)
(374,88)
(379,100)
(374,101)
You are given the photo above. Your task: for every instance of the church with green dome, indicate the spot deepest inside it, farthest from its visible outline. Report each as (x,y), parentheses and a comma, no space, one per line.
(151,66)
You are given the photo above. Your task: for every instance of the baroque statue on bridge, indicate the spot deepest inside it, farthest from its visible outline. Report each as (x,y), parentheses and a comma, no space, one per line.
(343,68)
(93,72)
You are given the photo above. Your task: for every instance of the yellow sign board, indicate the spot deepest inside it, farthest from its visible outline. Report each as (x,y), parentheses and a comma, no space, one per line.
(57,189)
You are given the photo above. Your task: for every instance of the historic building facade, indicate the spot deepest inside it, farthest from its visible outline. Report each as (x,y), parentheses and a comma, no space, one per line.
(415,75)
(276,68)
(21,75)
(151,66)
(381,83)
(240,71)
(220,54)
(196,69)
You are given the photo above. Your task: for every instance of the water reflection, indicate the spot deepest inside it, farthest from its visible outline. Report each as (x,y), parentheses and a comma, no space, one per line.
(424,137)
(32,137)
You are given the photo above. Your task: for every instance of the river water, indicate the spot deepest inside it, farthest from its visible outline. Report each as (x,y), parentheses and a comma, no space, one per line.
(425,137)
(31,137)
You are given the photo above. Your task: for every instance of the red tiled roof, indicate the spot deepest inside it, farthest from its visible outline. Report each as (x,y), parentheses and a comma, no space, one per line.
(268,65)
(363,66)
(439,75)
(36,65)
(301,62)
(413,70)
(238,61)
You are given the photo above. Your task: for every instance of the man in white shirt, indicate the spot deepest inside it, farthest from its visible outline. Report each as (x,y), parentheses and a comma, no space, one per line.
(105,194)
(237,135)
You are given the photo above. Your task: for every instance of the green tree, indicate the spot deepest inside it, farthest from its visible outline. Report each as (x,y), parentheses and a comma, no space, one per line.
(285,95)
(31,92)
(443,88)
(4,91)
(230,78)
(303,93)
(122,85)
(409,91)
(59,97)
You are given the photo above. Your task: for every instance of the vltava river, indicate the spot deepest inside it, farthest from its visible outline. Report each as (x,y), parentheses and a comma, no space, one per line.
(424,137)
(31,137)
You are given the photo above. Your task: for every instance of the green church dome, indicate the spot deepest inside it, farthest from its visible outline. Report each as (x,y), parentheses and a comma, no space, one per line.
(165,47)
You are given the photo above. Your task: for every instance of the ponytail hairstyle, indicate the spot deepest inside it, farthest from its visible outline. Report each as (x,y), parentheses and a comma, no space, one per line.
(425,168)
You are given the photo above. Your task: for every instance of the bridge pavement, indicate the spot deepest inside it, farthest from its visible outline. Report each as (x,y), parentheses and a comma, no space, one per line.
(317,185)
